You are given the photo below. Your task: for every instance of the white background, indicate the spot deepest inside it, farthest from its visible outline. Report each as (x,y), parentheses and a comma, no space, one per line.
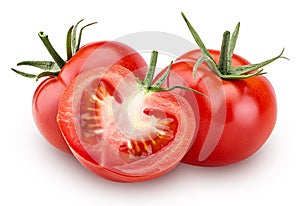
(34,173)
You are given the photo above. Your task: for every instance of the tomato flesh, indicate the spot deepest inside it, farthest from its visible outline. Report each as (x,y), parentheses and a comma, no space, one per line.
(92,108)
(119,131)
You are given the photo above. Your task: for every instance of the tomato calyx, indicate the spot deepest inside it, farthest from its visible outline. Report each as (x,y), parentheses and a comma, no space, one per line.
(53,68)
(224,67)
(147,85)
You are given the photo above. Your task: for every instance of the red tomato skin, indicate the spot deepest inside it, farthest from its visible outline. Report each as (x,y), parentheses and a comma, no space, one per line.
(44,111)
(68,123)
(47,95)
(246,110)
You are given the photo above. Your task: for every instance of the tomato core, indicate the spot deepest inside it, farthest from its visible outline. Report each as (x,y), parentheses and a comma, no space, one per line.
(164,134)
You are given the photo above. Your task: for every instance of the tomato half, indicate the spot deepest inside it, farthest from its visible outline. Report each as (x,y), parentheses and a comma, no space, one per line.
(235,116)
(46,96)
(120,131)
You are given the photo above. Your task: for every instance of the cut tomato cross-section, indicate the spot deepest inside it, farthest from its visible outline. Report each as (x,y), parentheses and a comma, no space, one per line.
(120,131)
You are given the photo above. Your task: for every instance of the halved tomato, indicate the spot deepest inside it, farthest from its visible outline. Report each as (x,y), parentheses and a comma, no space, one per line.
(121,129)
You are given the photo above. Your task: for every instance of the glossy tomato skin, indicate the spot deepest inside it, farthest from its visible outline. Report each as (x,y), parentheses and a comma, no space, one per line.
(44,111)
(47,95)
(236,117)
(120,132)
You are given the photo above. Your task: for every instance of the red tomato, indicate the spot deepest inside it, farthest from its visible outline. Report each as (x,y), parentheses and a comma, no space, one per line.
(235,116)
(47,95)
(238,111)
(119,130)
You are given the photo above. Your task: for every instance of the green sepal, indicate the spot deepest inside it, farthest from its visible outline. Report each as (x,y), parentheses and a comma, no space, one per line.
(154,89)
(47,74)
(232,44)
(24,74)
(37,76)
(53,68)
(80,35)
(244,76)
(49,69)
(161,80)
(44,65)
(69,43)
(202,59)
(73,43)
(156,86)
(224,69)
(243,70)
(206,55)
(74,37)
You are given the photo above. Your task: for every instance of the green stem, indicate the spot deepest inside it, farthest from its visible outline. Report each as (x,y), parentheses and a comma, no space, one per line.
(150,73)
(224,53)
(59,61)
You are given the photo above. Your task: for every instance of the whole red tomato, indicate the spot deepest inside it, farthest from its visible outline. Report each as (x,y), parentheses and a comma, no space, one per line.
(238,111)
(47,95)
(123,129)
